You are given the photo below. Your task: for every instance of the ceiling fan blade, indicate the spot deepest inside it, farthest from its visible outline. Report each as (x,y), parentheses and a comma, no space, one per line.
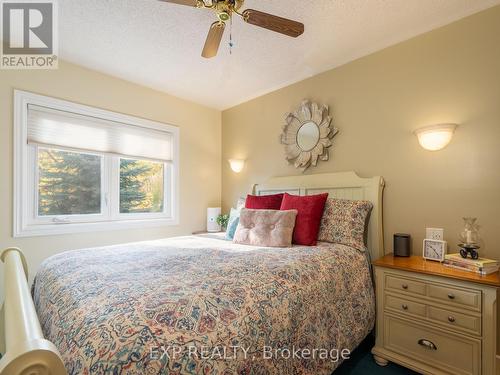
(214,38)
(274,23)
(190,3)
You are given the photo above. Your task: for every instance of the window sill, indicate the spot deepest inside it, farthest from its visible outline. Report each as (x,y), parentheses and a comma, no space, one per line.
(72,228)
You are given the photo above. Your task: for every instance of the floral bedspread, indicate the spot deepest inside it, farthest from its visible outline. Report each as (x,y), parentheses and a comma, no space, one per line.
(201,305)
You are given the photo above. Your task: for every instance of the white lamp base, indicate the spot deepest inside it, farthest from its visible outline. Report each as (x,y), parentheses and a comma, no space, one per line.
(212,214)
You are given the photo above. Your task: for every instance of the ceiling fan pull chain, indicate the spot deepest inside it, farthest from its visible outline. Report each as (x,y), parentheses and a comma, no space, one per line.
(231,36)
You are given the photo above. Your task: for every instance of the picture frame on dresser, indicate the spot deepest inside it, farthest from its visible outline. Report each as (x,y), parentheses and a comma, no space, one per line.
(433,319)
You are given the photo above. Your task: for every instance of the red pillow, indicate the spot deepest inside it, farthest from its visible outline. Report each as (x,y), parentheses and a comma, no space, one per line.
(310,210)
(264,202)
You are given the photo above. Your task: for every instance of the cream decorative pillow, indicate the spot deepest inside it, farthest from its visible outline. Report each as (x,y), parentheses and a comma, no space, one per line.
(240,203)
(270,228)
(345,222)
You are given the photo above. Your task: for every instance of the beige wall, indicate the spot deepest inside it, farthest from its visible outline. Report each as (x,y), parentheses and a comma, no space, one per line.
(449,75)
(200,135)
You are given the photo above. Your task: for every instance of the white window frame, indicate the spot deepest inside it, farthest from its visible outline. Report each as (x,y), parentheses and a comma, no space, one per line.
(27,223)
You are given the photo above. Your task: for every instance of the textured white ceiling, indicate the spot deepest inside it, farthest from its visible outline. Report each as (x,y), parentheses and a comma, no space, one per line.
(158,44)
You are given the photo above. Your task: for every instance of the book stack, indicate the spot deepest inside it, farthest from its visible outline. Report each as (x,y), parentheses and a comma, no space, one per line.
(482,266)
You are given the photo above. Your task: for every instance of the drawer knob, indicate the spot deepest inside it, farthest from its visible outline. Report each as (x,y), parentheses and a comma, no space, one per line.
(427,344)
(404,286)
(404,307)
(451,296)
(451,319)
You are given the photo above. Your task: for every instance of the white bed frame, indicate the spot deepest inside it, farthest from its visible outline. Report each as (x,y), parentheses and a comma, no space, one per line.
(26,352)
(344,185)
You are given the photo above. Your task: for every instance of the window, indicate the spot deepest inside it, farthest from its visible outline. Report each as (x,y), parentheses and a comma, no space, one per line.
(69,183)
(141,186)
(78,169)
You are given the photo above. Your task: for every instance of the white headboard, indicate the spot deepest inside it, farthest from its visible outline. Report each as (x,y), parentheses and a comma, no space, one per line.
(344,185)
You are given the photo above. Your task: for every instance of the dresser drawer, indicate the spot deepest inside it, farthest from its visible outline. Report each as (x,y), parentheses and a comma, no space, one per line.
(404,285)
(452,296)
(463,322)
(404,306)
(447,352)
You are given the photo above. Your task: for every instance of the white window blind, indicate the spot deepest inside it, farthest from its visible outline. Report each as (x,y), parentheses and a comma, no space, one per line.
(56,128)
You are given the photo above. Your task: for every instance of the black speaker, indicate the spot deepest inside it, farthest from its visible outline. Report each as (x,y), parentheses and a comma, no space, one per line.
(402,243)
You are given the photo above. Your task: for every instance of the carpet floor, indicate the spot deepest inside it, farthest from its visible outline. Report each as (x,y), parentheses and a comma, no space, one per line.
(362,363)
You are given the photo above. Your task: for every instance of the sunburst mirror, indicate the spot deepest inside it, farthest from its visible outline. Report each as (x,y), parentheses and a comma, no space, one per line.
(307,135)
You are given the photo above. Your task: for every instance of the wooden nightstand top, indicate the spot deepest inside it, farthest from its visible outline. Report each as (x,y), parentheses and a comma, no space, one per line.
(420,265)
(204,232)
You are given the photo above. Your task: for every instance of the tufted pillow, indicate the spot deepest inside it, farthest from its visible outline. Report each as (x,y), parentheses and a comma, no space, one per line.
(270,228)
(345,222)
(264,202)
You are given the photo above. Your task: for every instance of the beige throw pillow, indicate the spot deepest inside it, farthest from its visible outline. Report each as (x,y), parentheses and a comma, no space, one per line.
(345,222)
(269,228)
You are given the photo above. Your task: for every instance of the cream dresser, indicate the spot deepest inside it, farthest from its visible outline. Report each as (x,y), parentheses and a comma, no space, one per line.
(434,319)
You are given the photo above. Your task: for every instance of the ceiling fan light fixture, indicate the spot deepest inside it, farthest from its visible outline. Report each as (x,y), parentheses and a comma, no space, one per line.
(223,16)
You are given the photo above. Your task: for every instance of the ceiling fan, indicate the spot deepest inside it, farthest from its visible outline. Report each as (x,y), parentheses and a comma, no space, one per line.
(224,9)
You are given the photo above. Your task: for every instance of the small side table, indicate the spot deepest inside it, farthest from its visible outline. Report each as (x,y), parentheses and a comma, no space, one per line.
(204,232)
(434,319)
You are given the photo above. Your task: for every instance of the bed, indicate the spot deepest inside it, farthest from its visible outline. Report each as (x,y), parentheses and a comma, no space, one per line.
(203,305)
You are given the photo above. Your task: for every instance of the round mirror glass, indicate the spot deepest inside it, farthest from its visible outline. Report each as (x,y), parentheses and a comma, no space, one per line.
(308,136)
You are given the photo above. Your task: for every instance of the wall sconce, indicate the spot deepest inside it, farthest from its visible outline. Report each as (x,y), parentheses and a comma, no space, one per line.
(236,165)
(435,137)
